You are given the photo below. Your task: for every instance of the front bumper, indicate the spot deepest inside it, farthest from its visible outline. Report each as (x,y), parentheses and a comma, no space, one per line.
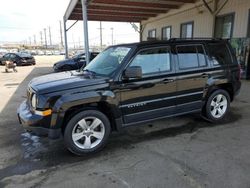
(36,123)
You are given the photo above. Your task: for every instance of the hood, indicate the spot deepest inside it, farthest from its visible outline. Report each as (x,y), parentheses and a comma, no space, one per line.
(63,81)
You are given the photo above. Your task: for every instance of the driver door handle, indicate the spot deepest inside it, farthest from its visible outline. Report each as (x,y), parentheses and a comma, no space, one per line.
(165,81)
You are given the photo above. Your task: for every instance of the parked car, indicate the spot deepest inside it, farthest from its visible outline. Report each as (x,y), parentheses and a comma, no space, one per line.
(18,58)
(74,63)
(48,53)
(40,52)
(132,84)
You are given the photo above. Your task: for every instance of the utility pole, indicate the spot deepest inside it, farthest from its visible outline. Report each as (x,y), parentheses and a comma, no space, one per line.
(112,35)
(30,40)
(50,41)
(41,37)
(61,33)
(35,39)
(45,38)
(101,28)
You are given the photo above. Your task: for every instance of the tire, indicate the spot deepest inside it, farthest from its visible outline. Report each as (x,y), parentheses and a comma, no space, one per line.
(87,132)
(217,106)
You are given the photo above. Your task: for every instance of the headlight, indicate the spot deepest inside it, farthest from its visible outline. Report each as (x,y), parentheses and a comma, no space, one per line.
(33,101)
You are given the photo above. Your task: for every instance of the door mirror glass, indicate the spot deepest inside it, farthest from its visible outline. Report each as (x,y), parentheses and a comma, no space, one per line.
(133,72)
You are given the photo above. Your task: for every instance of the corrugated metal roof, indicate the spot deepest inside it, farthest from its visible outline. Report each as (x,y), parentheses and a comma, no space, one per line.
(122,10)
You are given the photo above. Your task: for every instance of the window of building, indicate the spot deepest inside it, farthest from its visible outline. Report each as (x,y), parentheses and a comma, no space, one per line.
(152,33)
(153,61)
(191,56)
(187,30)
(166,32)
(224,26)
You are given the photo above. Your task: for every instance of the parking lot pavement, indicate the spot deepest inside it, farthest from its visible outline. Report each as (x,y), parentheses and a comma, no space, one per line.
(177,152)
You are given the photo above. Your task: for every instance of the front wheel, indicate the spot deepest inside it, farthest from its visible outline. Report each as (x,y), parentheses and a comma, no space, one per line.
(218,105)
(87,132)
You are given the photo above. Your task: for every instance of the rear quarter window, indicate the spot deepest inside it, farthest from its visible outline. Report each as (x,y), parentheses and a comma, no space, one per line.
(220,54)
(191,56)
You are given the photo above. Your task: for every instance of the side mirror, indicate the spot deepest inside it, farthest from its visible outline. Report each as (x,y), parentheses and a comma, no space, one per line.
(81,63)
(133,72)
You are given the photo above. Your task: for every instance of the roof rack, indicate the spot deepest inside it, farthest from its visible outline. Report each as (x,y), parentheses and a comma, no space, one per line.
(204,38)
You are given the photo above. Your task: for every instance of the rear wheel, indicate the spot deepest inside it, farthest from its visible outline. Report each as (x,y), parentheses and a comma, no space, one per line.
(87,132)
(218,105)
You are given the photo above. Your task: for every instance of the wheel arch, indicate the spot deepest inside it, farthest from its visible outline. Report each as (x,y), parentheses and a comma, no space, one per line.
(228,87)
(68,106)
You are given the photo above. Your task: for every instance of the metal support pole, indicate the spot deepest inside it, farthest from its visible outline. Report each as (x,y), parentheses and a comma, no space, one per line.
(85,29)
(61,36)
(65,39)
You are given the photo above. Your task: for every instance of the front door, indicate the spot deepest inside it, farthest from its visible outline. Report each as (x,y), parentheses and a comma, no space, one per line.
(152,96)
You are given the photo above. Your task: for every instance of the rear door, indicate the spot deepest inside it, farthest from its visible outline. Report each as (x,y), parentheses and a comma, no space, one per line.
(192,75)
(153,96)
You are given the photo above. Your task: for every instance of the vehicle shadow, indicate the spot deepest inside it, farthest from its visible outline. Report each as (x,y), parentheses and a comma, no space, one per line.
(38,152)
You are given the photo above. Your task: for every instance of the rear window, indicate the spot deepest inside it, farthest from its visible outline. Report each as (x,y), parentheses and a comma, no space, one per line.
(220,54)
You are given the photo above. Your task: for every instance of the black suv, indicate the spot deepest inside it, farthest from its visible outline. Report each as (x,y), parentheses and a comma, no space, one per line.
(132,84)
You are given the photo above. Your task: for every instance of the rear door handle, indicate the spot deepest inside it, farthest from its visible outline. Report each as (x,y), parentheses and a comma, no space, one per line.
(204,75)
(165,81)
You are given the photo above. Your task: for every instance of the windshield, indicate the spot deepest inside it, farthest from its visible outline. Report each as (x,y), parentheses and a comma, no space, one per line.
(108,61)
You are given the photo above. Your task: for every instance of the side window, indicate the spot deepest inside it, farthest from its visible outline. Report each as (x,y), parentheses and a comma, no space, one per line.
(192,56)
(219,54)
(201,56)
(12,56)
(153,61)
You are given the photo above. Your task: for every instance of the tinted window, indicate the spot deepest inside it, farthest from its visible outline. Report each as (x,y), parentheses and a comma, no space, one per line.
(201,56)
(12,56)
(191,56)
(219,54)
(153,61)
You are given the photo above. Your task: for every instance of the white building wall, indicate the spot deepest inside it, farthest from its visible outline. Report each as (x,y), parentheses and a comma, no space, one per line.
(203,20)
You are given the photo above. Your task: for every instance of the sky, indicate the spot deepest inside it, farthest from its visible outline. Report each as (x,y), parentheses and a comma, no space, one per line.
(20,20)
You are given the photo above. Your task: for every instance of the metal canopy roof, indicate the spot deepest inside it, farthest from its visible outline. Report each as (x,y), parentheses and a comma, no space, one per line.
(121,10)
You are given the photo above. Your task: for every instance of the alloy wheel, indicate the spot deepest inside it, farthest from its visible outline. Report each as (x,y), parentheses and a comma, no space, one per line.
(218,106)
(88,133)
